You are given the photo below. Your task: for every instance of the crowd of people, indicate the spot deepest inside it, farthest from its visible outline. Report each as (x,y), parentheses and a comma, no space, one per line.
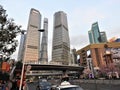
(8,82)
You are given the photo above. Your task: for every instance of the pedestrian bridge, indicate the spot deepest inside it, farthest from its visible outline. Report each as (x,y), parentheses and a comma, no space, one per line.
(38,66)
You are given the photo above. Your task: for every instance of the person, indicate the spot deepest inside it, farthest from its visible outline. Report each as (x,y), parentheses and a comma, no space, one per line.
(14,84)
(38,87)
(65,81)
(9,84)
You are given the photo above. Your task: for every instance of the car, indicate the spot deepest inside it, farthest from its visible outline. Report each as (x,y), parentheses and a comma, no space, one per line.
(44,85)
(66,86)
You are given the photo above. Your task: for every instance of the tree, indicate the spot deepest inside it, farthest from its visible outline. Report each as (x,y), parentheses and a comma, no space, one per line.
(110,68)
(18,68)
(86,72)
(8,32)
(103,71)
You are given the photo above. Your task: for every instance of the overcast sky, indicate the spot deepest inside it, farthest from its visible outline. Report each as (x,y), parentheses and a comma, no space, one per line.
(80,13)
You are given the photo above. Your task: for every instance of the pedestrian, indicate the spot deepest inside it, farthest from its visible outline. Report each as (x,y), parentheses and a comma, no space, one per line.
(14,85)
(9,84)
(7,88)
(38,87)
(3,85)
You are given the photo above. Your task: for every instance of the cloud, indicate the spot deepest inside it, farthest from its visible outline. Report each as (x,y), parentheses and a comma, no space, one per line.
(79,41)
(111,2)
(114,32)
(92,16)
(88,15)
(80,23)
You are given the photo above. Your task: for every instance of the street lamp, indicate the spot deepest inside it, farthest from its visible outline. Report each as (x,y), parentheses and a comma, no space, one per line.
(41,30)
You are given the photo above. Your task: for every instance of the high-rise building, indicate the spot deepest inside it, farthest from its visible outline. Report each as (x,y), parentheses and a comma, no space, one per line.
(21,47)
(103,37)
(74,56)
(44,44)
(91,38)
(95,36)
(32,43)
(96,32)
(61,42)
(101,54)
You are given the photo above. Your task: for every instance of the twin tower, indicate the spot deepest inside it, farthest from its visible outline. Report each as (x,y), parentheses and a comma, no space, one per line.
(35,50)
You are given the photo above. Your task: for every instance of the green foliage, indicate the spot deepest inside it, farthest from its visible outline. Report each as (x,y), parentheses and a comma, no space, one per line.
(8,32)
(19,65)
(18,68)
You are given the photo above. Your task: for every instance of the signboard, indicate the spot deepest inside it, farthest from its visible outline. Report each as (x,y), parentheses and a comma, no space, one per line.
(28,68)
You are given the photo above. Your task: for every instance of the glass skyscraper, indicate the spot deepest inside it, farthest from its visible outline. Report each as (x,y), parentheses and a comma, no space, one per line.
(44,44)
(61,42)
(103,37)
(21,47)
(32,43)
(91,38)
(96,32)
(95,36)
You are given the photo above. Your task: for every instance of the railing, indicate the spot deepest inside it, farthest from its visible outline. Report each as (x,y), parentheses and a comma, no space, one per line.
(39,73)
(48,63)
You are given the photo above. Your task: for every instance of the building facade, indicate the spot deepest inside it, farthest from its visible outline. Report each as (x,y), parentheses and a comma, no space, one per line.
(32,43)
(61,42)
(103,37)
(91,37)
(101,54)
(44,43)
(96,32)
(21,47)
(95,36)
(74,54)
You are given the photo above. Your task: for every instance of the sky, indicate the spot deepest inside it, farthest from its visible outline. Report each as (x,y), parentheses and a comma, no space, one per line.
(81,14)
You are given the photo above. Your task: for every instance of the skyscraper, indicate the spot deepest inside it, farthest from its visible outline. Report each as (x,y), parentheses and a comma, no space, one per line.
(44,44)
(61,42)
(73,57)
(96,32)
(95,36)
(91,37)
(103,37)
(32,44)
(21,47)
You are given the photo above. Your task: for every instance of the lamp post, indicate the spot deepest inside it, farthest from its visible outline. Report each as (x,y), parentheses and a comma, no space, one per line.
(41,30)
